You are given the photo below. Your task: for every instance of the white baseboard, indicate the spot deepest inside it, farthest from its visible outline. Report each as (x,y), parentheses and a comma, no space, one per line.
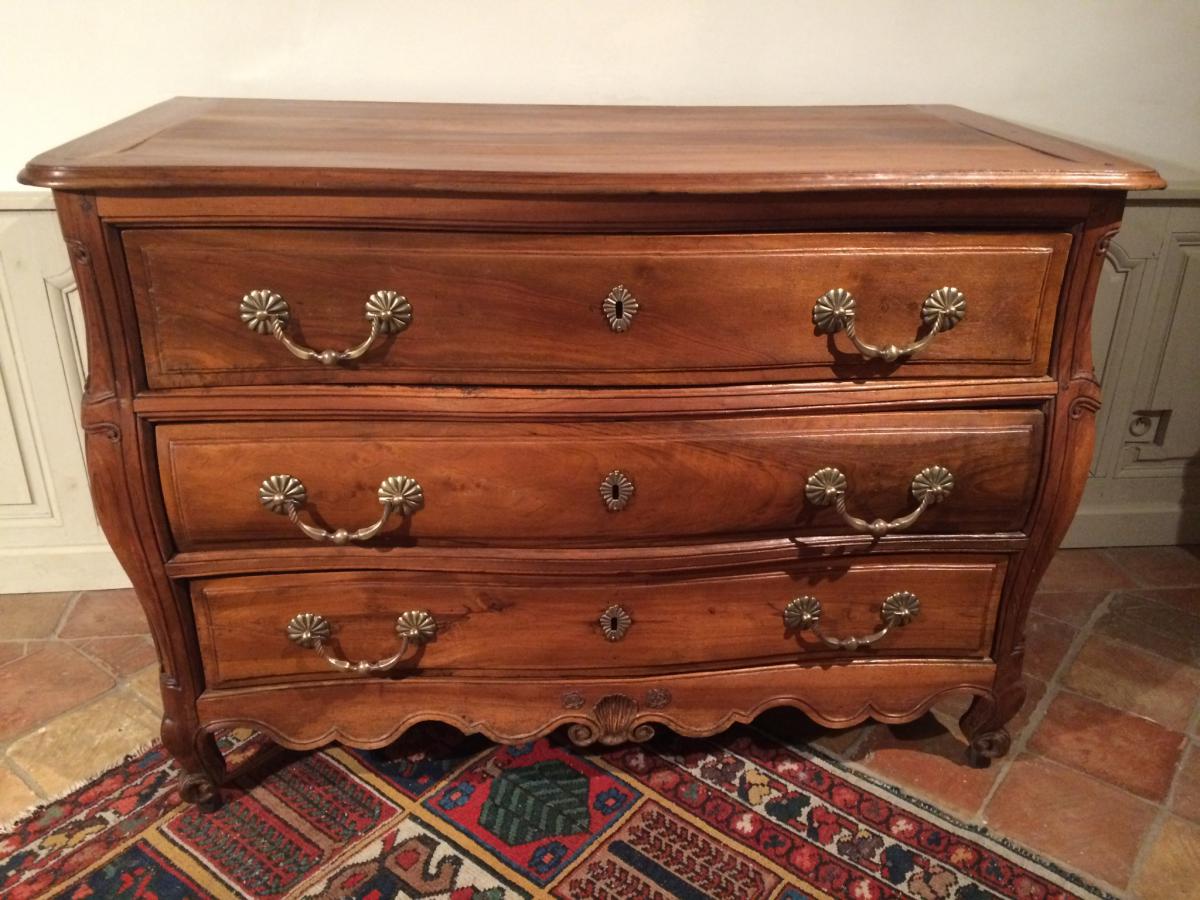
(1125,526)
(72,568)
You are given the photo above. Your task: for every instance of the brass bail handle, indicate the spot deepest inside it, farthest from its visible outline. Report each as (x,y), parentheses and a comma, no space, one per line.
(804,614)
(836,311)
(265,312)
(930,486)
(284,495)
(313,631)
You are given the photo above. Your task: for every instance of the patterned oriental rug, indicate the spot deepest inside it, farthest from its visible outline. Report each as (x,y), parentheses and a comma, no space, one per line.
(439,815)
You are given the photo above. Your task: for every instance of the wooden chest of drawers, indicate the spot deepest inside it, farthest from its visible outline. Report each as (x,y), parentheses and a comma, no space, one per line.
(528,417)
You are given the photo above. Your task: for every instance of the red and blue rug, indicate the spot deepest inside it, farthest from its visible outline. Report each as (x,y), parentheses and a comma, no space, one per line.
(439,815)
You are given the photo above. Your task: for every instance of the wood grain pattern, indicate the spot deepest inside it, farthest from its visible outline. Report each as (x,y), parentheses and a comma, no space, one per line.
(331,183)
(538,484)
(582,562)
(395,403)
(863,209)
(521,626)
(424,147)
(527,310)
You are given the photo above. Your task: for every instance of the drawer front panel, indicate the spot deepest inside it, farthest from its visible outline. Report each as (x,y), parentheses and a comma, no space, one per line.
(599,482)
(554,626)
(508,309)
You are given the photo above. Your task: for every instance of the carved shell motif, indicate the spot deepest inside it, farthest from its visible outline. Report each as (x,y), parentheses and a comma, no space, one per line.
(402,493)
(612,723)
(281,492)
(259,309)
(393,312)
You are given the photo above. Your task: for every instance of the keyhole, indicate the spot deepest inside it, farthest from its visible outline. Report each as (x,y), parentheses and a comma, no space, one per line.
(613,623)
(615,491)
(620,309)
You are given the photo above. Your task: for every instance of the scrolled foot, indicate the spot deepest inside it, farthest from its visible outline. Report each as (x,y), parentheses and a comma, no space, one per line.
(987,746)
(983,723)
(200,790)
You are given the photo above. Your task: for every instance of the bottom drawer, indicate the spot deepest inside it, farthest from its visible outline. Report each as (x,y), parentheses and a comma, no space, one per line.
(554,626)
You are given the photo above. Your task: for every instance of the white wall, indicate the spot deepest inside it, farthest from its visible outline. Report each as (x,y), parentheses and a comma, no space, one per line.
(1121,74)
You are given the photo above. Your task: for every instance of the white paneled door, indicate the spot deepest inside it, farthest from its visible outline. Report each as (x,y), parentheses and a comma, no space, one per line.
(1144,487)
(49,539)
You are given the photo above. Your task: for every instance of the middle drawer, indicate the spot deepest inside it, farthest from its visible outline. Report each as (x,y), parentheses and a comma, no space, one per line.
(598,482)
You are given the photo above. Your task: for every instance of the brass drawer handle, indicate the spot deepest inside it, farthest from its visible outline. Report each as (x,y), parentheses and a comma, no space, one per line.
(804,614)
(313,631)
(932,485)
(941,311)
(285,494)
(265,312)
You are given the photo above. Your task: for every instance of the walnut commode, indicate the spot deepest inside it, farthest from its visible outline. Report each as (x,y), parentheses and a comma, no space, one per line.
(609,418)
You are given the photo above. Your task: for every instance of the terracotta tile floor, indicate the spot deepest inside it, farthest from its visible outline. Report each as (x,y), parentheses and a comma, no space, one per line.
(1103,776)
(78,691)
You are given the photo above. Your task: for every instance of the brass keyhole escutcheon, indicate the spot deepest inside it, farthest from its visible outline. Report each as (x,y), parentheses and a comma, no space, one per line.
(615,622)
(619,308)
(616,488)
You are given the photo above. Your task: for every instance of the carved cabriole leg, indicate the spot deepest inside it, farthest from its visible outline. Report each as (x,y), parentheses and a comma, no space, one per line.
(983,723)
(1068,456)
(117,469)
(196,752)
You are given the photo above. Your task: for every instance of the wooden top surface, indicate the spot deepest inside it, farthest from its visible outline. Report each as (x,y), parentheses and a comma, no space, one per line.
(190,143)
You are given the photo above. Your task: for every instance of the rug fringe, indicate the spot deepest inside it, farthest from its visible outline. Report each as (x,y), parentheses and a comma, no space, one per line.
(11,824)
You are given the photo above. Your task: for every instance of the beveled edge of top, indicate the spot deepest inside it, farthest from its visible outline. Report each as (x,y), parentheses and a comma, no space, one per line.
(91,163)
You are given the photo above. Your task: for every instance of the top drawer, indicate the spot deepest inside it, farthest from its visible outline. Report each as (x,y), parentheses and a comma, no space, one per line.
(588,310)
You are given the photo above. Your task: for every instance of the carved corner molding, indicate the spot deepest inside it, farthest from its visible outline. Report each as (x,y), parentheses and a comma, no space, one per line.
(100,378)
(78,251)
(1084,404)
(109,430)
(1105,241)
